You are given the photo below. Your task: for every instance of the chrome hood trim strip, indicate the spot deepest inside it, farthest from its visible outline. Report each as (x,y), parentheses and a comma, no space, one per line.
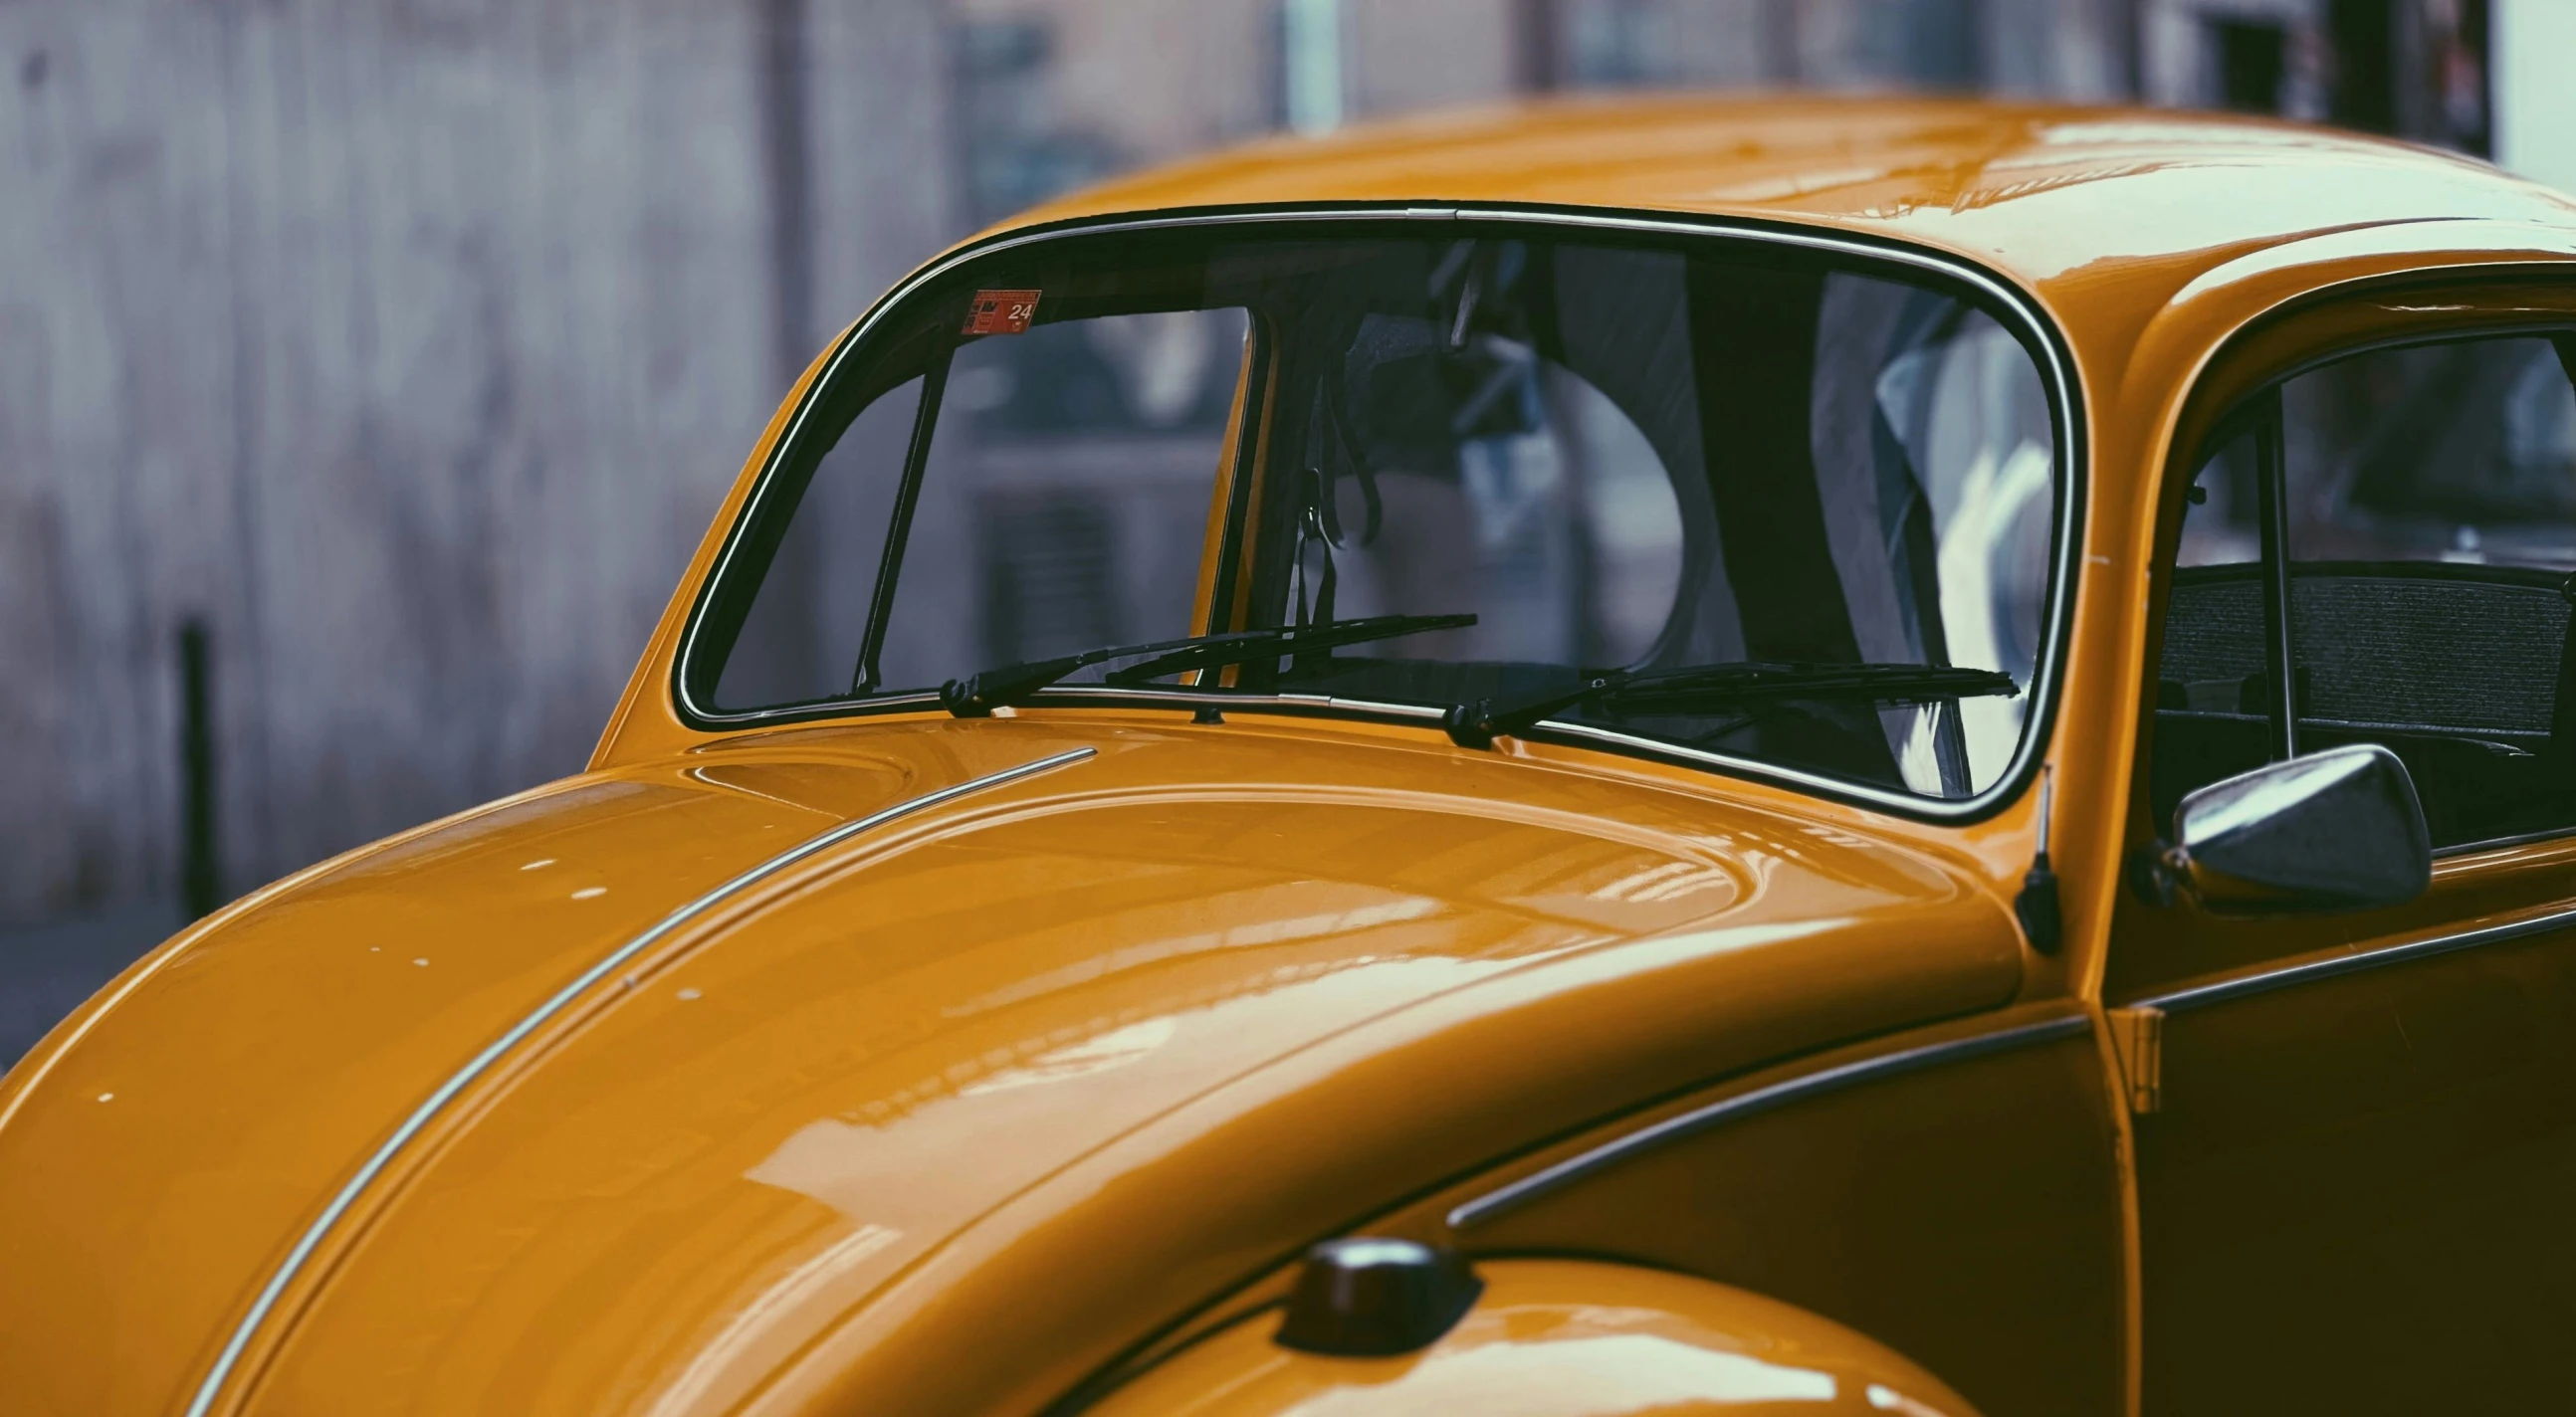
(1745,1104)
(211,1387)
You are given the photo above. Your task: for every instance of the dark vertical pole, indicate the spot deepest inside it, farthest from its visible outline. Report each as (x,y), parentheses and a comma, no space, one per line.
(2470,82)
(1976,69)
(787,146)
(792,637)
(1780,41)
(2363,35)
(1536,37)
(200,876)
(1945,44)
(2129,25)
(2253,61)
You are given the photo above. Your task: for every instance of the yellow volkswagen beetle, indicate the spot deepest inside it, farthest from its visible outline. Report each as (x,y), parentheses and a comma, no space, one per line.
(1673,756)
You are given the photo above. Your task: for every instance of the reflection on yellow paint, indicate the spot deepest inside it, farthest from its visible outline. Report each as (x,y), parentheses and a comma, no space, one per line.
(1114,1049)
(1670,881)
(1630,1372)
(1888,1399)
(781,1298)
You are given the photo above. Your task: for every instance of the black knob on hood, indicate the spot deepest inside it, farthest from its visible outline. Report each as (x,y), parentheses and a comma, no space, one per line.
(1367,1297)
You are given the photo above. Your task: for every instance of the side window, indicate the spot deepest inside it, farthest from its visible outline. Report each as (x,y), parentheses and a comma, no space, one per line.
(2212,718)
(1063,504)
(800,640)
(2426,534)
(2432,527)
(1065,501)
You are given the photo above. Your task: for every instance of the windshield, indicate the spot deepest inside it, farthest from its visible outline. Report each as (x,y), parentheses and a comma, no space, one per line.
(1619,456)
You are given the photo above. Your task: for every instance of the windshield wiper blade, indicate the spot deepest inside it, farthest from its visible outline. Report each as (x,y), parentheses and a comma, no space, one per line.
(977,695)
(1272,643)
(1478,724)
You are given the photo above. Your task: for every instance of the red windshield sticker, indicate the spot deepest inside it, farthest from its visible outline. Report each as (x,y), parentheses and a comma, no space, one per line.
(1001,312)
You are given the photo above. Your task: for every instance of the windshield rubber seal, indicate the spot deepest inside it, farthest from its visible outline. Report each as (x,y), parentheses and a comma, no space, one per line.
(2039,334)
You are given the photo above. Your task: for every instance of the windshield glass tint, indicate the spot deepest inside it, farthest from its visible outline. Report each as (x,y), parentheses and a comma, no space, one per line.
(1623,457)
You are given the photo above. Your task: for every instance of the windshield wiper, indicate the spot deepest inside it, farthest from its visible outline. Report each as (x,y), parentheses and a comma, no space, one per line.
(978,694)
(1477,725)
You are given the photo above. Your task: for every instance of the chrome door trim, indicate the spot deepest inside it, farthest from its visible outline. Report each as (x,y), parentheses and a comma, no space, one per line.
(1746,1104)
(2197,996)
(2058,374)
(212,1385)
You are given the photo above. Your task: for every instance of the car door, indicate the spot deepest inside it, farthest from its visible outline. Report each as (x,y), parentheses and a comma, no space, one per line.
(2356,1140)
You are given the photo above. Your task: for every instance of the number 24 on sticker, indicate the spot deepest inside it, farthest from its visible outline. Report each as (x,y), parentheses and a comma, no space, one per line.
(1001,312)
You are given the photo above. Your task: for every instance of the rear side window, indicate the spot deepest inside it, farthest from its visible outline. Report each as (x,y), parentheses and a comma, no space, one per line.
(2386,542)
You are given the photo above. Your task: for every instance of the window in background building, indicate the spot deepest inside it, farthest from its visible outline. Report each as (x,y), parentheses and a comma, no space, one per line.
(1943,43)
(1618,43)
(1016,151)
(1665,43)
(1311,66)
(2455,45)
(2364,82)
(1538,45)
(2252,61)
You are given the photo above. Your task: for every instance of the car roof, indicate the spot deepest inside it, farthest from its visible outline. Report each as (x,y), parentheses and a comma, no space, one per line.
(2050,196)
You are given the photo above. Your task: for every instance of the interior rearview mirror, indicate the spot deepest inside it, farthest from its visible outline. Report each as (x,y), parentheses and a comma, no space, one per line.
(2337,830)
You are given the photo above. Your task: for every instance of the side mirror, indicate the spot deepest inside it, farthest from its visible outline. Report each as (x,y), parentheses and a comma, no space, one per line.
(2337,830)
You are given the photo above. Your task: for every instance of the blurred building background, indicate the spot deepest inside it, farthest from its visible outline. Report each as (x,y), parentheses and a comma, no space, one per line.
(369,369)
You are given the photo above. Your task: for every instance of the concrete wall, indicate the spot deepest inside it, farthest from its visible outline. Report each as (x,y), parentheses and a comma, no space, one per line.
(411,345)
(411,342)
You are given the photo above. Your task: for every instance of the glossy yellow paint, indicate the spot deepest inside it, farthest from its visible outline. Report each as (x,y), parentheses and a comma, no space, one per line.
(1198,939)
(1557,1338)
(970,1110)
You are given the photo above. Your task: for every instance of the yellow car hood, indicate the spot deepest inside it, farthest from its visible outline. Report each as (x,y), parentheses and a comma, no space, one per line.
(938,1118)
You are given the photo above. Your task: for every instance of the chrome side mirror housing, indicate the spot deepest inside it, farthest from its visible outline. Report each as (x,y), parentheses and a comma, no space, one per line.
(2337,830)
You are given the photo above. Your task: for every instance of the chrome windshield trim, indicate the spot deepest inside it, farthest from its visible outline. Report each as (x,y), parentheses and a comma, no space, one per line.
(1746,1104)
(2058,377)
(2243,986)
(212,1385)
(1233,701)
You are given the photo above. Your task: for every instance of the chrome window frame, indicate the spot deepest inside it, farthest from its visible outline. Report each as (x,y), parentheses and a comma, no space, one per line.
(2054,361)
